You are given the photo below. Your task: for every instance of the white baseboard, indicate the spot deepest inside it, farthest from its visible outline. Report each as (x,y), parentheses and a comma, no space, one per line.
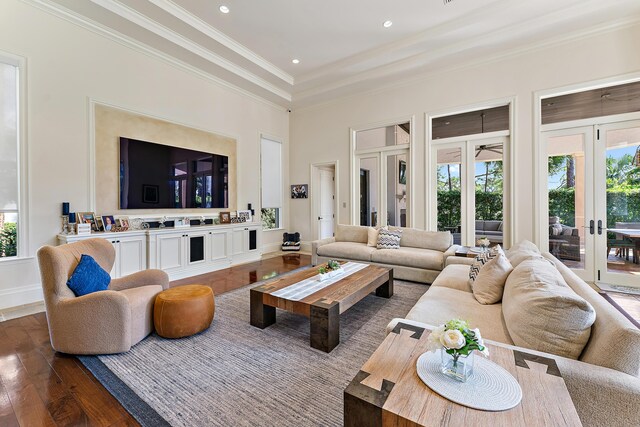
(22,295)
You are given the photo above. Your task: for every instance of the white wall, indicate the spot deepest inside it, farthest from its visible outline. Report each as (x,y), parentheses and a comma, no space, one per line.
(67,65)
(321,133)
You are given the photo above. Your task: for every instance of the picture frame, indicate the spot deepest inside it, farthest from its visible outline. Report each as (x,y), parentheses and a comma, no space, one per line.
(108,222)
(225,217)
(246,215)
(402,172)
(150,193)
(300,191)
(88,218)
(123,222)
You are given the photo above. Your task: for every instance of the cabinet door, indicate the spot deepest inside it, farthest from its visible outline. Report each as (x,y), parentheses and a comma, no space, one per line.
(196,248)
(170,252)
(115,270)
(240,241)
(132,255)
(219,245)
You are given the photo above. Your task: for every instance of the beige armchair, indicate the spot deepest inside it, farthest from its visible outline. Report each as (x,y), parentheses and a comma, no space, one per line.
(103,322)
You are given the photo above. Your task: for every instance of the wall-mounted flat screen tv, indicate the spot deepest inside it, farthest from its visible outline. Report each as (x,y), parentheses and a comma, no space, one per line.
(156,176)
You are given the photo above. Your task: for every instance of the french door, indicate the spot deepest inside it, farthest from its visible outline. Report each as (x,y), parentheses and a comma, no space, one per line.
(592,198)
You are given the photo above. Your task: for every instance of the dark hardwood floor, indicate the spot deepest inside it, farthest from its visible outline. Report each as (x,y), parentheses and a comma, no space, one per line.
(40,387)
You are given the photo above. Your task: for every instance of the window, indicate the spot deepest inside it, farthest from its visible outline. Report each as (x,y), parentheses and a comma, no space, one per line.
(271,175)
(9,183)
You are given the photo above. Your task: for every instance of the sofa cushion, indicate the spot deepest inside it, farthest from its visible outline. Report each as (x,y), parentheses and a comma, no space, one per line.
(522,251)
(389,239)
(436,240)
(614,340)
(351,233)
(410,257)
(347,250)
(489,284)
(454,276)
(440,304)
(492,225)
(479,225)
(543,313)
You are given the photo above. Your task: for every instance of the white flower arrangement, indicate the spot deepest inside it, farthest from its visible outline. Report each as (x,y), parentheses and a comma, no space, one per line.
(456,338)
(483,242)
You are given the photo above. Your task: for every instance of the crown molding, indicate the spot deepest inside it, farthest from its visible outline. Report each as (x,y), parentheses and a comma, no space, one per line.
(304,100)
(61,12)
(137,18)
(188,18)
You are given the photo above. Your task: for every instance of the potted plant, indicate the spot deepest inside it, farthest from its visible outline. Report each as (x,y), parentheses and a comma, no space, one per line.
(331,269)
(457,344)
(483,242)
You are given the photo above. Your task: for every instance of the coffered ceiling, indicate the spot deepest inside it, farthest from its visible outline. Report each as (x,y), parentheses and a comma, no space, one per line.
(342,46)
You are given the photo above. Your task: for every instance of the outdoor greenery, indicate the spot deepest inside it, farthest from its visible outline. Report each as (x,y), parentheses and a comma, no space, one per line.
(269,218)
(8,240)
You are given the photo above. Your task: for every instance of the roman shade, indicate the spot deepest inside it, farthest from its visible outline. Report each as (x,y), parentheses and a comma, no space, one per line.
(271,173)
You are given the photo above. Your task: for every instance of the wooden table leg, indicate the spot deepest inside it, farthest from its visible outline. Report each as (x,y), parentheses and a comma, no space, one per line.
(386,289)
(261,315)
(325,325)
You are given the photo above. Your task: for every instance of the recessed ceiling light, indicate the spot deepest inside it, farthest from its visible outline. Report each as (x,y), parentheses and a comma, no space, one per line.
(224,9)
(295,61)
(387,24)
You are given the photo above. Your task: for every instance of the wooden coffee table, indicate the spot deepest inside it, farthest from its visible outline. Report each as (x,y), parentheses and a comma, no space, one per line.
(388,392)
(323,305)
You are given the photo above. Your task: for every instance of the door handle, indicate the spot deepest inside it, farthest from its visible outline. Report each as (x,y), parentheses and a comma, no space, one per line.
(599,226)
(319,218)
(591,227)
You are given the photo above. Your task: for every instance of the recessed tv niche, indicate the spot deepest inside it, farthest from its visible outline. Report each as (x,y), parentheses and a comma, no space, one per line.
(156,176)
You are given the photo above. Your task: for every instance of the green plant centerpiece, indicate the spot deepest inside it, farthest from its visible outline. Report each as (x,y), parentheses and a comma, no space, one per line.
(330,269)
(457,343)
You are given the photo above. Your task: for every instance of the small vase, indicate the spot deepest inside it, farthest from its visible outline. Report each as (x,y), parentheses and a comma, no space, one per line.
(458,367)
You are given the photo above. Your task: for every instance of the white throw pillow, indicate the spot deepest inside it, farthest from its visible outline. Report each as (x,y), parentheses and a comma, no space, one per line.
(522,251)
(372,236)
(481,260)
(489,284)
(543,313)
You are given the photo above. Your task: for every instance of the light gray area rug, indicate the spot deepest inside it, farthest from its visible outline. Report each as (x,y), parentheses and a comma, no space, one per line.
(234,374)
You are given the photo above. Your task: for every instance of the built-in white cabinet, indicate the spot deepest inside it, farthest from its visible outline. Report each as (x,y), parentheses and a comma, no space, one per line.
(130,247)
(181,252)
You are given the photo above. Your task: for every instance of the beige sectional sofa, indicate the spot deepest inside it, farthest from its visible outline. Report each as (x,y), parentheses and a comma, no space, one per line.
(603,382)
(421,257)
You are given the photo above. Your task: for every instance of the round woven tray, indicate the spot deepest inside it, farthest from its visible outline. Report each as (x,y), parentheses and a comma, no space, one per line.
(490,387)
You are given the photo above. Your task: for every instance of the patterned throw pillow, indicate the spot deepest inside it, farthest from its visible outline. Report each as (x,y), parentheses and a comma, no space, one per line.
(389,239)
(481,260)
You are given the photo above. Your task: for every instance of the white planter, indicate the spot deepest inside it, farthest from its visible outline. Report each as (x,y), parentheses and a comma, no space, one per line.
(330,274)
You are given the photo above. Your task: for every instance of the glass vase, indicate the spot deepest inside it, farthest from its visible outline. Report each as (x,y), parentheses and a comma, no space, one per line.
(458,367)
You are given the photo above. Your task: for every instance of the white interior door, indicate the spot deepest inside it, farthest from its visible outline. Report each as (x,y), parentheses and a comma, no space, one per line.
(326,206)
(617,195)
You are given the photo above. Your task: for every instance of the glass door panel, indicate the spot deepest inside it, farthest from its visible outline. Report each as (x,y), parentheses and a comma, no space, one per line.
(569,202)
(489,194)
(619,184)
(369,175)
(396,189)
(449,190)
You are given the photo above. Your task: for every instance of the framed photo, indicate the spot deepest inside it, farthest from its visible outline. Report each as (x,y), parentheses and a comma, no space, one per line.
(225,217)
(108,222)
(246,215)
(150,193)
(300,191)
(123,222)
(88,218)
(402,172)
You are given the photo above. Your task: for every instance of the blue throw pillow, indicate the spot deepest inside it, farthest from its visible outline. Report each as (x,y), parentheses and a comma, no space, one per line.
(88,277)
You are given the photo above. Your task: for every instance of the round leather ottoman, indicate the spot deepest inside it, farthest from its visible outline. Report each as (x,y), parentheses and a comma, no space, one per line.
(183,311)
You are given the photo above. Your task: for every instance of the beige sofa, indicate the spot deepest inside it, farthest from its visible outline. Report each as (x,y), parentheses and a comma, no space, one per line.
(603,382)
(103,322)
(421,257)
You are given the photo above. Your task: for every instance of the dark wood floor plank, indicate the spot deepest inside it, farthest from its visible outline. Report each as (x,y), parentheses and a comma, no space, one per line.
(39,386)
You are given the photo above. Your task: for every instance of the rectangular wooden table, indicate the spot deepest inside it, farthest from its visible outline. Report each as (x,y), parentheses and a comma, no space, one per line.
(321,303)
(388,392)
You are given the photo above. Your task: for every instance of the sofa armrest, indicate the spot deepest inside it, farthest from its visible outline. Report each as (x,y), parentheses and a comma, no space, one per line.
(97,323)
(316,244)
(141,278)
(450,252)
